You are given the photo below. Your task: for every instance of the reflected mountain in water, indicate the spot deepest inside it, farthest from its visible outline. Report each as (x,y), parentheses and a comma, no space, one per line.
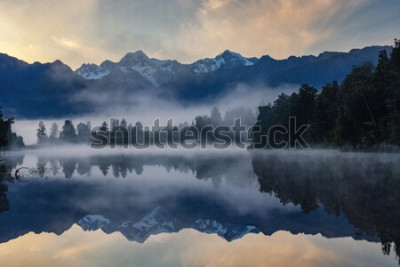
(333,194)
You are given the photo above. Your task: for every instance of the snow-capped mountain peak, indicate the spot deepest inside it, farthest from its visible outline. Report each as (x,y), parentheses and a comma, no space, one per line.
(229,56)
(93,222)
(225,60)
(153,70)
(134,59)
(157,221)
(228,231)
(157,71)
(92,71)
(234,59)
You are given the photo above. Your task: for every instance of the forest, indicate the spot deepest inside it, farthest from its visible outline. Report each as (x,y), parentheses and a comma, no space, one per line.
(120,132)
(8,139)
(361,112)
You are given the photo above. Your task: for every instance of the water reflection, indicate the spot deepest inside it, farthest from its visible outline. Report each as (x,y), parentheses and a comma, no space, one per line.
(365,188)
(330,193)
(203,167)
(7,164)
(189,248)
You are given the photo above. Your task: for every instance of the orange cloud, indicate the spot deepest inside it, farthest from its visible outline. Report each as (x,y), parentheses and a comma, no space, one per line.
(95,30)
(188,248)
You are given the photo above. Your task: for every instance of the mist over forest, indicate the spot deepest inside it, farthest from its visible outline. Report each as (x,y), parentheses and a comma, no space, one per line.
(200,133)
(107,94)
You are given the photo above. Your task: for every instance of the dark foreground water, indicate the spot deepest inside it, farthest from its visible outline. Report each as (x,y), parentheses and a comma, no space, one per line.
(307,208)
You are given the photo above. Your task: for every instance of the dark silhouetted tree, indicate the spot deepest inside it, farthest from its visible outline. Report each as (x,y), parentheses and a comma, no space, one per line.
(326,112)
(8,139)
(54,132)
(68,133)
(41,134)
(124,123)
(83,132)
(216,118)
(104,127)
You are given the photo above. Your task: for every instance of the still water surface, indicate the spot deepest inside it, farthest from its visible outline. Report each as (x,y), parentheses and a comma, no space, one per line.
(287,208)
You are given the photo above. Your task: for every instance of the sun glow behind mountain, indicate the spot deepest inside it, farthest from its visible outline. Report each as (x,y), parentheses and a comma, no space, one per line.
(92,31)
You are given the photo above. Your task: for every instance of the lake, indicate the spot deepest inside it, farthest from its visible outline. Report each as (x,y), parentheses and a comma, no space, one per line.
(81,207)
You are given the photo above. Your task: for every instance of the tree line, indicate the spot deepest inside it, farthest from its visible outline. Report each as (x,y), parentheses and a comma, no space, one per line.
(68,133)
(117,129)
(8,139)
(361,112)
(370,204)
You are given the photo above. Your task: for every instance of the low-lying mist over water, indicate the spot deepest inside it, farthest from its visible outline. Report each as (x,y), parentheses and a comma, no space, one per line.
(235,195)
(148,107)
(193,133)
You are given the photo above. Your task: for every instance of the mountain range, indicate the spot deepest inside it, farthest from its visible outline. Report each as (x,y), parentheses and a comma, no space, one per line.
(155,223)
(54,90)
(56,206)
(132,196)
(157,71)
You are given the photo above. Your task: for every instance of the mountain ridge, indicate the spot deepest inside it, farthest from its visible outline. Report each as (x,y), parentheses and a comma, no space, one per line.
(43,90)
(207,65)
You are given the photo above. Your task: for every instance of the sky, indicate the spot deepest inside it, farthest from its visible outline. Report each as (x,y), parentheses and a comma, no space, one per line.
(76,248)
(79,32)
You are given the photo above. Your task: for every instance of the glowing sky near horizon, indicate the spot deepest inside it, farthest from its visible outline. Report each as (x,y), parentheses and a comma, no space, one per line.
(78,248)
(94,30)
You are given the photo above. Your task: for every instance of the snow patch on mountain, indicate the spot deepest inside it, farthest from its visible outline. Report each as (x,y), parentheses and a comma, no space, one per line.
(93,222)
(156,222)
(229,232)
(92,71)
(147,72)
(224,60)
(155,70)
(147,226)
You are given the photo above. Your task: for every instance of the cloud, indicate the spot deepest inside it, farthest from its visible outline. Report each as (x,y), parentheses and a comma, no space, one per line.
(70,43)
(94,30)
(189,248)
(111,104)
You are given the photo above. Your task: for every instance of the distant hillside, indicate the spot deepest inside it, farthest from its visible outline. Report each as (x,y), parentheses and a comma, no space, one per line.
(54,90)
